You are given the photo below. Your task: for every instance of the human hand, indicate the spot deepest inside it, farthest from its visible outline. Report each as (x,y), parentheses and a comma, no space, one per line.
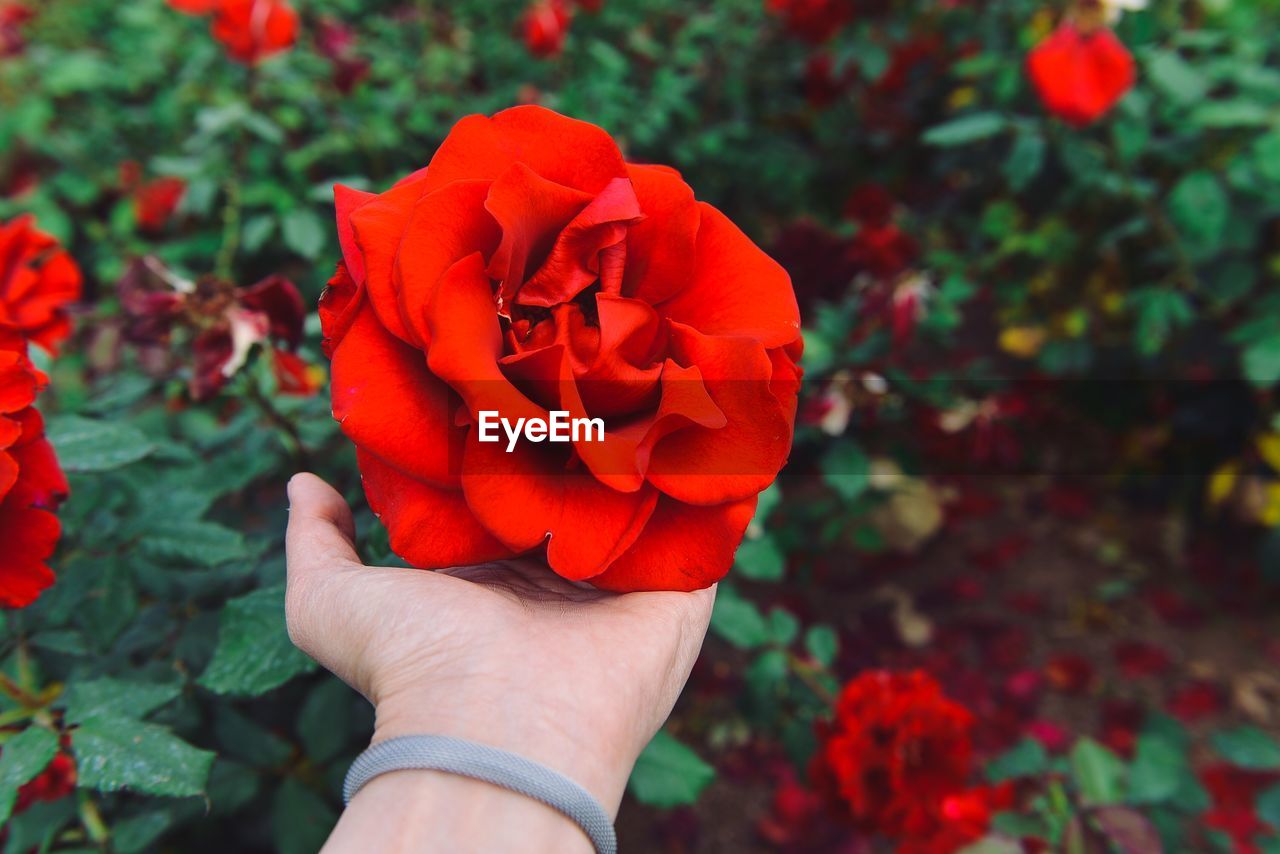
(507,654)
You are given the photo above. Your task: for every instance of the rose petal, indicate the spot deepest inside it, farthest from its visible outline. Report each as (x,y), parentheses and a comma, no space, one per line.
(659,246)
(389,403)
(681,548)
(346,201)
(736,289)
(429,527)
(30,536)
(379,225)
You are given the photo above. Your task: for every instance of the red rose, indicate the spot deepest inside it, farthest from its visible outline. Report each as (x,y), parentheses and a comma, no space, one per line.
(815,21)
(1080,76)
(56,781)
(544,27)
(13,16)
(336,42)
(37,280)
(31,482)
(898,753)
(155,201)
(252,30)
(528,269)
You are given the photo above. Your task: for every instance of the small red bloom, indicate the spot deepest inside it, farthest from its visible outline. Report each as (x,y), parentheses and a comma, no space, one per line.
(56,781)
(155,201)
(336,42)
(31,482)
(1137,659)
(294,376)
(884,251)
(822,86)
(898,748)
(965,818)
(37,281)
(253,30)
(544,27)
(1069,673)
(1196,701)
(12,16)
(1234,792)
(870,204)
(815,21)
(1080,76)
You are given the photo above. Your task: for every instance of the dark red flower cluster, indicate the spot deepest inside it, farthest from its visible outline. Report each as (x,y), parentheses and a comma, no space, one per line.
(249,30)
(898,758)
(815,21)
(880,248)
(13,16)
(336,42)
(1080,73)
(1233,812)
(225,321)
(154,201)
(37,281)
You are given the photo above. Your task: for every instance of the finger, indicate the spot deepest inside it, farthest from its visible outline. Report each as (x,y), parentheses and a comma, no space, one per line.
(321,532)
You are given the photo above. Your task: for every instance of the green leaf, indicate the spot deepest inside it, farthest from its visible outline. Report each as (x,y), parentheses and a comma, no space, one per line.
(1268,806)
(324,721)
(846,469)
(254,653)
(783,626)
(116,698)
(1026,159)
(669,774)
(24,756)
(822,643)
(1233,113)
(1199,207)
(1157,770)
(1261,362)
(1160,311)
(966,129)
(114,753)
(300,819)
(304,232)
(738,620)
(1248,747)
(761,560)
(86,445)
(1097,771)
(197,542)
(1175,77)
(1027,758)
(140,832)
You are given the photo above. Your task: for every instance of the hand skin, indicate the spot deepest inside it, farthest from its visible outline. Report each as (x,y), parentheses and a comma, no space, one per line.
(506,654)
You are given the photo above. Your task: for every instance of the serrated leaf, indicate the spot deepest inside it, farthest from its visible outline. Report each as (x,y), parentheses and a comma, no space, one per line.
(254,653)
(669,773)
(324,722)
(1247,747)
(140,832)
(1157,770)
(114,753)
(197,542)
(1098,772)
(23,757)
(1175,77)
(86,445)
(116,698)
(966,129)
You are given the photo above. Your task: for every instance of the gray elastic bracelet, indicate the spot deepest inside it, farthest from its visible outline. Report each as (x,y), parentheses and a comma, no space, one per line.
(481,762)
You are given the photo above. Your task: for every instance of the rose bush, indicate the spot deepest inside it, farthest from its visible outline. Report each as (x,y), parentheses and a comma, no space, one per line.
(530,268)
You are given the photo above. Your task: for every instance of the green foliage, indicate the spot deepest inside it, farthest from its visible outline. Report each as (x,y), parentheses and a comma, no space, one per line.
(25,755)
(254,653)
(669,773)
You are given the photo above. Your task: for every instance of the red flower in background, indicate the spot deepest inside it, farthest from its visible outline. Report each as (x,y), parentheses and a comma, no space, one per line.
(896,751)
(1080,76)
(12,17)
(1234,792)
(226,321)
(528,269)
(37,281)
(31,482)
(964,818)
(56,781)
(253,30)
(336,42)
(544,26)
(155,202)
(815,21)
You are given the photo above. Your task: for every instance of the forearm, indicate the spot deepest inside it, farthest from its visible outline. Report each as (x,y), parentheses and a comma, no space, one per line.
(423,811)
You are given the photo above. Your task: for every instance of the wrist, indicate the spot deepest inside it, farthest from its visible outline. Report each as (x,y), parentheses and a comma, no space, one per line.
(598,757)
